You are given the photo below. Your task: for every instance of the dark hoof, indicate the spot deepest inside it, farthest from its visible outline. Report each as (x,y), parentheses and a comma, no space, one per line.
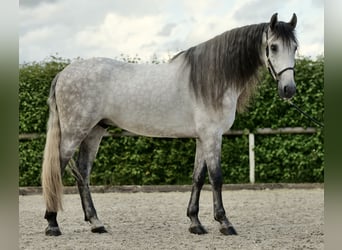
(228,230)
(199,229)
(52,231)
(99,230)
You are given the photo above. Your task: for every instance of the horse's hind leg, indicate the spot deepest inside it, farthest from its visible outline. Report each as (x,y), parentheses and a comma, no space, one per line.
(68,147)
(53,227)
(87,153)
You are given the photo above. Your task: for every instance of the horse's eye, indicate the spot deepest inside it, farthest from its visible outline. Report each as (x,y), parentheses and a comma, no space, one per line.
(274,47)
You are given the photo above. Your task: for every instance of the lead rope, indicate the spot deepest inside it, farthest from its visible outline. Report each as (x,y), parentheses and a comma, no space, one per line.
(305,114)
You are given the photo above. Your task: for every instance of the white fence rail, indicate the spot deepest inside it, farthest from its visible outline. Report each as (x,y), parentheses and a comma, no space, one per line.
(260,131)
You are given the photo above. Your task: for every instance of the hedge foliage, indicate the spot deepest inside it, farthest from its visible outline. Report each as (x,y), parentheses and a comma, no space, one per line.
(141,160)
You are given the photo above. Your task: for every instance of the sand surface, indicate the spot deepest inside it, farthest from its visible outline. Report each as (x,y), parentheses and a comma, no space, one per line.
(264,219)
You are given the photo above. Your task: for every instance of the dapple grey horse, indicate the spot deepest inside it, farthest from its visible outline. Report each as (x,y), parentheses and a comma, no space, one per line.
(195,95)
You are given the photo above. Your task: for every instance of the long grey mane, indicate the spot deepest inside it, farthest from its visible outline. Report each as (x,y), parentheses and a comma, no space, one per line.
(231,59)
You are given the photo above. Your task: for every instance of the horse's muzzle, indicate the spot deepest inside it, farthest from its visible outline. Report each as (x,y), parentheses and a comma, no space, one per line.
(287,91)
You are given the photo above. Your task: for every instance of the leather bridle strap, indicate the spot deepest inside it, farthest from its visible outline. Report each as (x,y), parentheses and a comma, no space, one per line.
(276,75)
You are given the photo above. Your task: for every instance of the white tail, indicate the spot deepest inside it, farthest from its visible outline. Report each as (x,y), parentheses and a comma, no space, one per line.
(51,173)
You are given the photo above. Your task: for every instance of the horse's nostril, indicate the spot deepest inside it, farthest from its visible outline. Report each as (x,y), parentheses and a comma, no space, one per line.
(289,91)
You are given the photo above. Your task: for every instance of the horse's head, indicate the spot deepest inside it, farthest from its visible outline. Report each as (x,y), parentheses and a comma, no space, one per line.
(281,46)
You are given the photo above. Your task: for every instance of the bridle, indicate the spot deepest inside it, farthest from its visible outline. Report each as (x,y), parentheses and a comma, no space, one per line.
(276,75)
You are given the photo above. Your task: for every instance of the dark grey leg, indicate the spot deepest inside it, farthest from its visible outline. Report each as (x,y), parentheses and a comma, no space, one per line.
(212,151)
(87,153)
(219,212)
(199,173)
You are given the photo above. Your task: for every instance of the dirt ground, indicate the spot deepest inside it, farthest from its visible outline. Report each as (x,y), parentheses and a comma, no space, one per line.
(264,219)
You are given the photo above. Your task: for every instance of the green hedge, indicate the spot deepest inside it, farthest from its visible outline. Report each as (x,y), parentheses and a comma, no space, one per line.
(141,160)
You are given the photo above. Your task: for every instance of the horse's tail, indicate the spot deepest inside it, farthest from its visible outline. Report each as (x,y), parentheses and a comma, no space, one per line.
(51,173)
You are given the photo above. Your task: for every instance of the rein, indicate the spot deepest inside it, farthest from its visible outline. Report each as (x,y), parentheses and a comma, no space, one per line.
(276,76)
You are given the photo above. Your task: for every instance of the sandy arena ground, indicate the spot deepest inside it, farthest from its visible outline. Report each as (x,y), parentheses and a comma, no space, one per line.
(264,219)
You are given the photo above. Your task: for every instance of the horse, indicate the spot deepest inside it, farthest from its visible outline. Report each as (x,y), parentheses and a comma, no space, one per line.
(195,95)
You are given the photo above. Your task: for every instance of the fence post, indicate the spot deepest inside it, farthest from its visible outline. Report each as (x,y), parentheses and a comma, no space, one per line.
(251,158)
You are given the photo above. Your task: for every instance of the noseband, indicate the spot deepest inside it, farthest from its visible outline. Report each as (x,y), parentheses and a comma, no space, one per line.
(276,75)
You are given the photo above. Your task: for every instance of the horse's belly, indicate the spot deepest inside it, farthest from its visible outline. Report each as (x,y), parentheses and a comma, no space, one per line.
(154,121)
(161,131)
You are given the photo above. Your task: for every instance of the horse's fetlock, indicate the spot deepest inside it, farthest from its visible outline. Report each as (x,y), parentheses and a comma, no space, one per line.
(220,215)
(192,211)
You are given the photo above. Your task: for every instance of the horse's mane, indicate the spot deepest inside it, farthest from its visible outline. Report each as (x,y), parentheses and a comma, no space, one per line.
(231,59)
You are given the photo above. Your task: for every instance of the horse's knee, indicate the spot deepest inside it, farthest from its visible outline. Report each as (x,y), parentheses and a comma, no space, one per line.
(216,179)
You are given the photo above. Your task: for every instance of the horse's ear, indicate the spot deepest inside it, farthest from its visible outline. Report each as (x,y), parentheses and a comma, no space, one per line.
(293,21)
(274,20)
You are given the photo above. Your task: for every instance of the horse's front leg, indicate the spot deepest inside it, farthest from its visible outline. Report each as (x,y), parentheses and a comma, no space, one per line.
(198,179)
(212,152)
